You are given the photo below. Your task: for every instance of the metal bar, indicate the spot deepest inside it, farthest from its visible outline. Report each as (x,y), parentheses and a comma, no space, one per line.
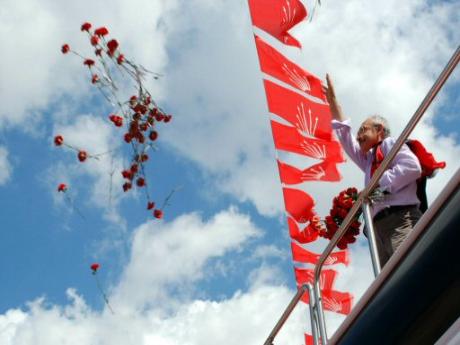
(371,237)
(379,172)
(313,318)
(286,313)
(320,313)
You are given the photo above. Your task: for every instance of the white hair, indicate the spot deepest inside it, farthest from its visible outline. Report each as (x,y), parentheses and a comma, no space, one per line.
(381,121)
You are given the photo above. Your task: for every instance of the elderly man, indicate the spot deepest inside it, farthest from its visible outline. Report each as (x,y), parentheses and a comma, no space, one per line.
(397,212)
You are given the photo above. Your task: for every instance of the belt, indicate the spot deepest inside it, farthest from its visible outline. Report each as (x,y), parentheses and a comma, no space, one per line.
(392,209)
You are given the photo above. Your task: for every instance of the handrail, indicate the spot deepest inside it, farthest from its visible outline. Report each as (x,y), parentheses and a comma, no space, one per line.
(375,180)
(286,313)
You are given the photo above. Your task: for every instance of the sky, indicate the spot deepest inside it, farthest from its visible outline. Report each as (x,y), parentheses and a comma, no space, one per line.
(217,269)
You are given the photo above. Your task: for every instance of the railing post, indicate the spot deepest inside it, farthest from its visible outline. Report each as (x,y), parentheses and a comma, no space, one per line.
(313,317)
(371,237)
(320,312)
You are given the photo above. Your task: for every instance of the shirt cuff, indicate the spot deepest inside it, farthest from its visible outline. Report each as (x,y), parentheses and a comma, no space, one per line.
(341,124)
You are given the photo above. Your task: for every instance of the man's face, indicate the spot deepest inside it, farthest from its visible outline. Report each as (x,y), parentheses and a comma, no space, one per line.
(369,135)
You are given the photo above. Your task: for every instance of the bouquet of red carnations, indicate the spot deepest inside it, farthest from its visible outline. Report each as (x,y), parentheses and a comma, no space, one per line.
(341,205)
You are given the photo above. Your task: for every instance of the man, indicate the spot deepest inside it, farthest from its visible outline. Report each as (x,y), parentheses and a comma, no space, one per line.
(396,213)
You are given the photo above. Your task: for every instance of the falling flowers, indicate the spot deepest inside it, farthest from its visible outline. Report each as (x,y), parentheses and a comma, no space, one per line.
(138,117)
(94,269)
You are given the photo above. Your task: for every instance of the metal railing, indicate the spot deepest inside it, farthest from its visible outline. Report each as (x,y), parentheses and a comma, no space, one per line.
(363,201)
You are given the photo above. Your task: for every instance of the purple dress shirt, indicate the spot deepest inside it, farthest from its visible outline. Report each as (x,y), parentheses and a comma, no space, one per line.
(400,177)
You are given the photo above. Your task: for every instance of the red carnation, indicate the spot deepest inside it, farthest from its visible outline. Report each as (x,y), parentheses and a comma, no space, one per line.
(128,138)
(150,205)
(158,214)
(167,118)
(102,31)
(62,187)
(133,100)
(65,48)
(153,135)
(82,155)
(134,168)
(94,40)
(112,45)
(88,62)
(85,27)
(120,59)
(127,174)
(95,267)
(95,79)
(98,52)
(127,186)
(144,157)
(140,182)
(58,140)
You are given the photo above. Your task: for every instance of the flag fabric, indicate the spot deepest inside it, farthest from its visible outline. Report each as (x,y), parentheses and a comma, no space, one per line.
(299,205)
(309,340)
(307,235)
(310,118)
(288,139)
(303,255)
(324,171)
(306,276)
(278,66)
(277,17)
(336,301)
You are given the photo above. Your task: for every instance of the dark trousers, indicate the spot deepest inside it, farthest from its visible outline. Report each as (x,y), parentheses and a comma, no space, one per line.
(392,225)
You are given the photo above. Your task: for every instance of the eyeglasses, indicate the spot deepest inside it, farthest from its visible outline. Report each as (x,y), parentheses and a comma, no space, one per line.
(363,129)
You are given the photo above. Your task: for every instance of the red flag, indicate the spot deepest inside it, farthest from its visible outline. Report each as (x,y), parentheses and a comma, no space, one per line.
(310,341)
(278,66)
(306,275)
(289,139)
(310,118)
(324,171)
(298,204)
(336,301)
(307,235)
(277,17)
(303,255)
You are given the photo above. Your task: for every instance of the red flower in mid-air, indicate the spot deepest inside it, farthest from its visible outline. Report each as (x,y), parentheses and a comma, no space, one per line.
(158,214)
(62,187)
(120,59)
(58,140)
(82,155)
(95,79)
(88,62)
(112,45)
(94,40)
(150,205)
(85,27)
(102,31)
(65,48)
(140,182)
(94,267)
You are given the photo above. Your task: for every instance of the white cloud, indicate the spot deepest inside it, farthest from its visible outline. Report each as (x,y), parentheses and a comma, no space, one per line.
(175,254)
(5,166)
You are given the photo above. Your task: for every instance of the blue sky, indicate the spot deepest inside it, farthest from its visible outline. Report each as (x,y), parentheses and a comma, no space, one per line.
(221,253)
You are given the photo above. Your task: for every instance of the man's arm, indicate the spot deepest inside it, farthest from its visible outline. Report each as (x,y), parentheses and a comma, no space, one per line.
(404,169)
(342,128)
(336,109)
